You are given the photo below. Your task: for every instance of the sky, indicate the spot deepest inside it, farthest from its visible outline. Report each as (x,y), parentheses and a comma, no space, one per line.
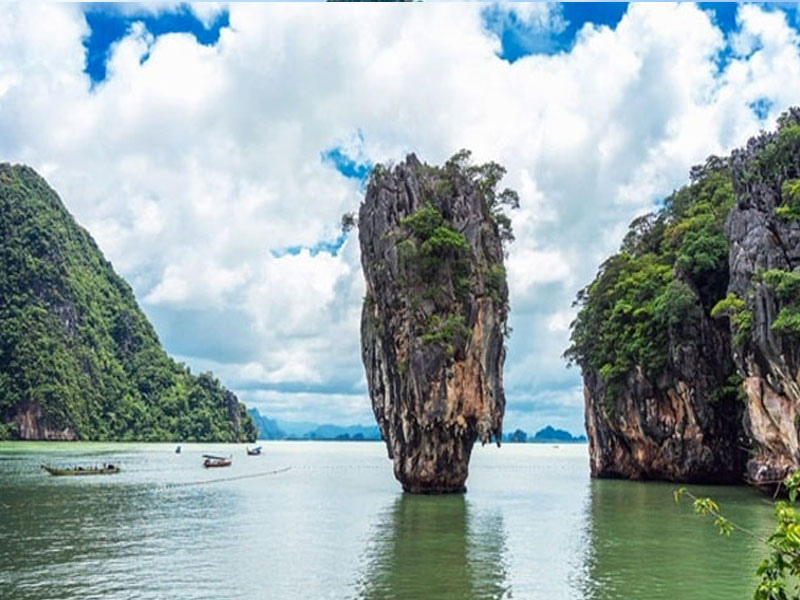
(211,149)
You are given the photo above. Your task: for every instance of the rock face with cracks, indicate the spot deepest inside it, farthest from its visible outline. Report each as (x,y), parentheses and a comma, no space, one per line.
(763,229)
(672,426)
(434,315)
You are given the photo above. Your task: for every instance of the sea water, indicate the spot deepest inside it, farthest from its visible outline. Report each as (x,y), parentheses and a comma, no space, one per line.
(337,525)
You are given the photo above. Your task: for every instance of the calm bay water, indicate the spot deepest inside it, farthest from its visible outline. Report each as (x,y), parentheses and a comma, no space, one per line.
(336,525)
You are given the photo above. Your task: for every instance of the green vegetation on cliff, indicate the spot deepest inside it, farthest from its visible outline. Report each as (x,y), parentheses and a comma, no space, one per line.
(433,322)
(741,318)
(672,267)
(436,258)
(78,358)
(786,285)
(790,194)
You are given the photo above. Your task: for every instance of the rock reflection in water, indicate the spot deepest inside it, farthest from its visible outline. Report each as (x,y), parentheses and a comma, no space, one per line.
(642,551)
(435,547)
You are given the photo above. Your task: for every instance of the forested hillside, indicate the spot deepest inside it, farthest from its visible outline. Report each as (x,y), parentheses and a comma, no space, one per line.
(78,358)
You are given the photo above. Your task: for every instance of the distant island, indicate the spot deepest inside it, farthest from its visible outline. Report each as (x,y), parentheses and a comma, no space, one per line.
(548,435)
(273,429)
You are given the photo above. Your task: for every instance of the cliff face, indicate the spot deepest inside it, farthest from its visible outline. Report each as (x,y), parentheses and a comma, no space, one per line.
(78,358)
(675,426)
(661,389)
(434,315)
(764,234)
(708,289)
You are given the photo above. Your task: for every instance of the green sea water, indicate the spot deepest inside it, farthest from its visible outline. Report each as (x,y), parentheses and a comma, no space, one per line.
(336,525)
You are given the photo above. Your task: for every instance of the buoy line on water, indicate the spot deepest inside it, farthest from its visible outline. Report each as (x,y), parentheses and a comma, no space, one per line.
(4,506)
(234,478)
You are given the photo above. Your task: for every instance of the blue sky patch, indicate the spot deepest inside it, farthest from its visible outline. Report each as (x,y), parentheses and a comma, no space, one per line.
(346,165)
(577,14)
(789,9)
(722,13)
(331,247)
(519,38)
(761,108)
(108,25)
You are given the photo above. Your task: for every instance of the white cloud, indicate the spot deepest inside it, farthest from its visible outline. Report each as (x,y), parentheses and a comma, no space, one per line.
(208,12)
(528,267)
(559,321)
(543,15)
(351,409)
(190,164)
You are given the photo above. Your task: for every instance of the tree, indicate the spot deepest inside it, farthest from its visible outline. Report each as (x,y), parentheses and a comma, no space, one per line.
(779,573)
(349,221)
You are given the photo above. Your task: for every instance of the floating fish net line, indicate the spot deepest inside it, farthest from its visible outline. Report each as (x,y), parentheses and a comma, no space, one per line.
(232,478)
(146,489)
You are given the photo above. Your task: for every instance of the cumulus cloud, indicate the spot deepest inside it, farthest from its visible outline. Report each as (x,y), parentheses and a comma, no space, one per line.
(195,166)
(205,12)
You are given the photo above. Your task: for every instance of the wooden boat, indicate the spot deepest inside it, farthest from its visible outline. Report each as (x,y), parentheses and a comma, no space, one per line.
(254,452)
(104,470)
(216,461)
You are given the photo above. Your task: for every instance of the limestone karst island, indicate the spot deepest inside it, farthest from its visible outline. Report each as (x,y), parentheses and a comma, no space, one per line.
(410,300)
(434,315)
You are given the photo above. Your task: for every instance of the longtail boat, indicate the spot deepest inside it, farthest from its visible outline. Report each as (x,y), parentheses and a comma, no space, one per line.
(254,452)
(216,461)
(104,470)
